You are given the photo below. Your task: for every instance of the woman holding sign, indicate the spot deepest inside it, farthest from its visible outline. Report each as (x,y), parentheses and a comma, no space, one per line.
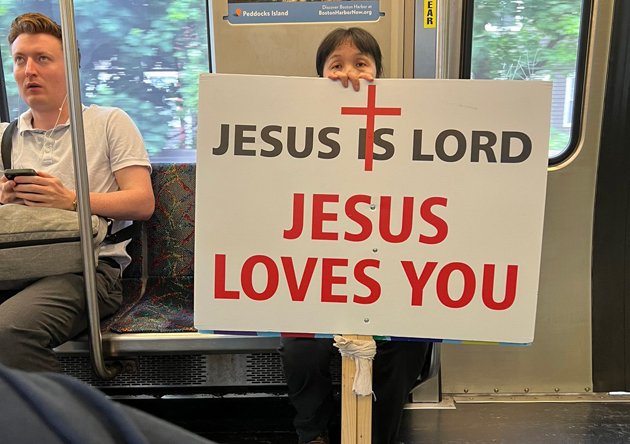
(348,56)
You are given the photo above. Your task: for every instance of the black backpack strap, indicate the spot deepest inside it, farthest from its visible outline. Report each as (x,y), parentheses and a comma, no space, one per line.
(7,144)
(122,234)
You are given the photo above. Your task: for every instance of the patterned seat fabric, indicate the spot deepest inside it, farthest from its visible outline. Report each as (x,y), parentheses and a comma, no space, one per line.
(167,302)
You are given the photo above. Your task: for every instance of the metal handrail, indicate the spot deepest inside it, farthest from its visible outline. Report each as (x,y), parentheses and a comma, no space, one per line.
(71,61)
(441,47)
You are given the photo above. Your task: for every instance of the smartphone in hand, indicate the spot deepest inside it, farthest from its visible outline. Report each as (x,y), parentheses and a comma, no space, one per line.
(12,173)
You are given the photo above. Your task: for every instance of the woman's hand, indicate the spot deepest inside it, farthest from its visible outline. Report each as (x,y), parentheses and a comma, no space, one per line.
(351,77)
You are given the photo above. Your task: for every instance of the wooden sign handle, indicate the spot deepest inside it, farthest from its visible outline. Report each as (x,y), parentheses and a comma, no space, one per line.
(356,411)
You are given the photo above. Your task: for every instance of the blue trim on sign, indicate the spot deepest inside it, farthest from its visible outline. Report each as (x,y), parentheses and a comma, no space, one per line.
(273,334)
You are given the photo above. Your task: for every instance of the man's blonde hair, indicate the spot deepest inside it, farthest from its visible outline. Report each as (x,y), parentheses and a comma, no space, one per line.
(33,23)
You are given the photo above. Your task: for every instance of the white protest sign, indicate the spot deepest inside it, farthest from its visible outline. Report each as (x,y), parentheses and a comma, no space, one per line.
(412,208)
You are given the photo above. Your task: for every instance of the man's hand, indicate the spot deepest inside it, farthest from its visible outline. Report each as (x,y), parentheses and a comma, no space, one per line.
(43,190)
(7,192)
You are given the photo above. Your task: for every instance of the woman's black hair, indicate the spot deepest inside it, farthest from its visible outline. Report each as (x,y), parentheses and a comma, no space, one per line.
(363,40)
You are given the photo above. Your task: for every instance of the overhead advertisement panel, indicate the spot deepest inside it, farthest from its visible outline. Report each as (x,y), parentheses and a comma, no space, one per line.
(302,11)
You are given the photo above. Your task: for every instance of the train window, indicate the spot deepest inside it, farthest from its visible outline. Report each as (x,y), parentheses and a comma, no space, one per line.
(534,40)
(142,56)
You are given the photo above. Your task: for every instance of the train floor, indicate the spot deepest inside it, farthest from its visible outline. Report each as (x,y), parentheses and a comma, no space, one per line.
(267,420)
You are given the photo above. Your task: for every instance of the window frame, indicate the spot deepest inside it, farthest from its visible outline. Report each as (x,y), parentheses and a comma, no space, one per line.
(580,72)
(4,99)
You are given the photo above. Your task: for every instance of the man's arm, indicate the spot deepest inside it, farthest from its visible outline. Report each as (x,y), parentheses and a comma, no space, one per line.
(134,200)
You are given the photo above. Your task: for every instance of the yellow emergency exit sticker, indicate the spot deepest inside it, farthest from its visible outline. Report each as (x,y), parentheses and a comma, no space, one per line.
(430,9)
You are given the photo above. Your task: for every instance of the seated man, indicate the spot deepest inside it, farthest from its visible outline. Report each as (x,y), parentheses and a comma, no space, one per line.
(52,310)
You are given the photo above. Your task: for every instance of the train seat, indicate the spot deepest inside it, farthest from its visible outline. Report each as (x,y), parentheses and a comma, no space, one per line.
(152,334)
(158,284)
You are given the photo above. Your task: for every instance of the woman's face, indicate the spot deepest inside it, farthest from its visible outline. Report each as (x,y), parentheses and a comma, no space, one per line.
(347,58)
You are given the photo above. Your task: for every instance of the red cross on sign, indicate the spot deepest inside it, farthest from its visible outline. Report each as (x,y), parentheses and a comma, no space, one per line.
(370,111)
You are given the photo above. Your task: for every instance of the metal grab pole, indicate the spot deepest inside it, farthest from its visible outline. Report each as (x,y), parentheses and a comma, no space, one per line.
(441,72)
(441,46)
(83,189)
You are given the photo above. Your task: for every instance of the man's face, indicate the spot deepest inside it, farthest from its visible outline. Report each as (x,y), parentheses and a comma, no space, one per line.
(38,69)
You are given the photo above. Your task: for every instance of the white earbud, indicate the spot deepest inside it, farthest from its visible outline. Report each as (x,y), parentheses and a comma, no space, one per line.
(63,103)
